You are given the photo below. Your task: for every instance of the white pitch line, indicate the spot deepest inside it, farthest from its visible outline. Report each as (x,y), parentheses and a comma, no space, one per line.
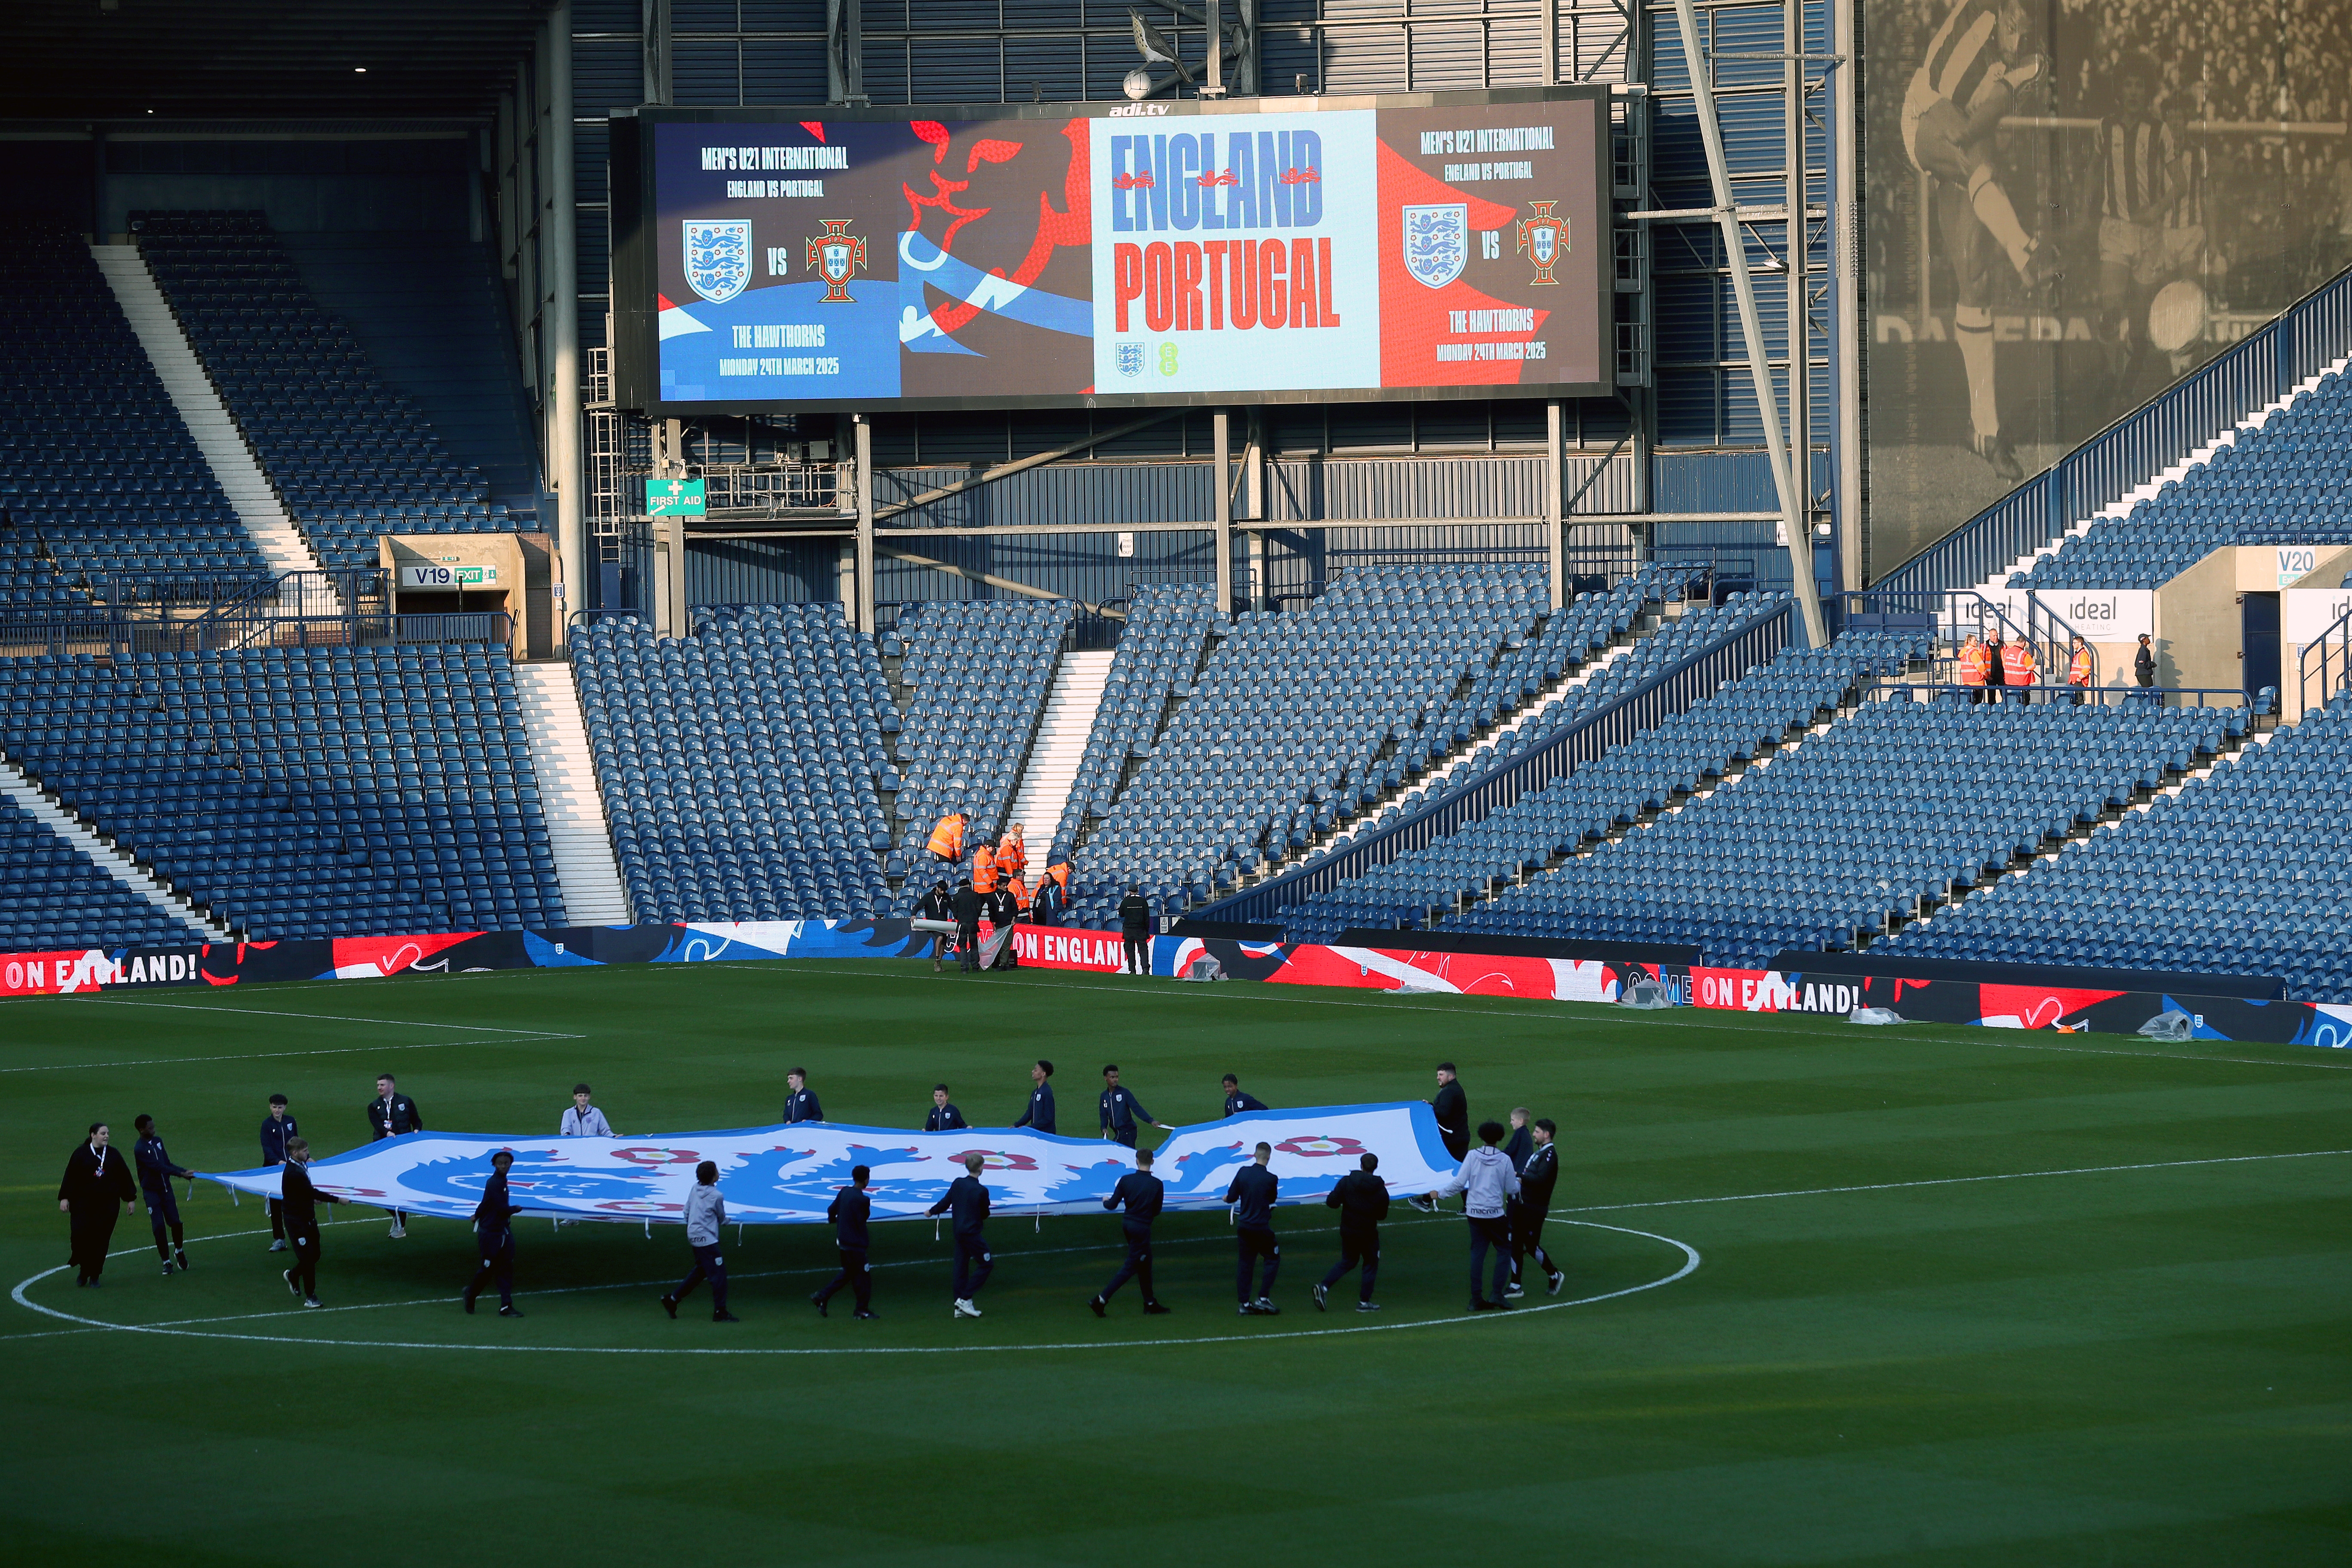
(1691,1261)
(1269,993)
(327,1017)
(266,1055)
(1954,1181)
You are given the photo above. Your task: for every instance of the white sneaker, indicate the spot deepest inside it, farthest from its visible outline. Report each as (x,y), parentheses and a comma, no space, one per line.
(1558,1278)
(1514,1292)
(398,1230)
(278,1245)
(966,1310)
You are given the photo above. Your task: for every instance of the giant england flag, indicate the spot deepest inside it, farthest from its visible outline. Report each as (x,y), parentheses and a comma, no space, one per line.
(787,1175)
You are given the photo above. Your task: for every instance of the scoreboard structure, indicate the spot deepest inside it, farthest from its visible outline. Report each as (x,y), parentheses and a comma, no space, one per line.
(1098,255)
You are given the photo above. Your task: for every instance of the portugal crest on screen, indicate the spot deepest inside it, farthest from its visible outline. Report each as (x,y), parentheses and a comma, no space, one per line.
(1436,243)
(717,257)
(1543,239)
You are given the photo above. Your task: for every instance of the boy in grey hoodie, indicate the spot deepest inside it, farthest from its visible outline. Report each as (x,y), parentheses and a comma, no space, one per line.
(1490,1183)
(706,1211)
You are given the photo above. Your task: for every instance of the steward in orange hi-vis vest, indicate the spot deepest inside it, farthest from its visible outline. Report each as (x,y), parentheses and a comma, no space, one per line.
(983,872)
(2017,662)
(2078,669)
(1975,660)
(1013,852)
(947,839)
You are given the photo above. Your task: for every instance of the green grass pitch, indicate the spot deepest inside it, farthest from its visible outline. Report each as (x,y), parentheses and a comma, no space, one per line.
(1961,1295)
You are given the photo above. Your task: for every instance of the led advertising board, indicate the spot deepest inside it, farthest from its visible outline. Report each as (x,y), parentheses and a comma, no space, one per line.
(1432,245)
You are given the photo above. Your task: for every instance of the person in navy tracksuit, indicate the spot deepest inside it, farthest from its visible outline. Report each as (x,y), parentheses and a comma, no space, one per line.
(801,1104)
(1039,1117)
(849,1211)
(1252,1192)
(276,1127)
(944,1117)
(494,1240)
(1236,1102)
(967,1195)
(155,1173)
(1121,1110)
(1143,1195)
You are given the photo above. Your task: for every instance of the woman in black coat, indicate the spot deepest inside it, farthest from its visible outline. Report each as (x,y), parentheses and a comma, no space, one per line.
(97,1190)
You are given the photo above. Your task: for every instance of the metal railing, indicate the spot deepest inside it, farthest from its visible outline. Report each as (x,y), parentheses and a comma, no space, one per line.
(1753,642)
(1899,689)
(2304,340)
(2332,652)
(1954,614)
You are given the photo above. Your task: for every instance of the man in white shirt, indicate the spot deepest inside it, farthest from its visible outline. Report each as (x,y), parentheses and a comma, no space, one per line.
(583,1120)
(1487,1177)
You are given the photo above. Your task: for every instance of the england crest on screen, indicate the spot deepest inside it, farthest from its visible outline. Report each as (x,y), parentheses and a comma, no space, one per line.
(1130,360)
(717,257)
(1436,243)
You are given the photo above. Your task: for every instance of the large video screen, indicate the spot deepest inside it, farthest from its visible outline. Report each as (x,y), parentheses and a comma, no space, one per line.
(1439,244)
(2071,204)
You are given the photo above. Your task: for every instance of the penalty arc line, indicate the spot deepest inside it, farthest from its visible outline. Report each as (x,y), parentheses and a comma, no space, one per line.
(1691,1261)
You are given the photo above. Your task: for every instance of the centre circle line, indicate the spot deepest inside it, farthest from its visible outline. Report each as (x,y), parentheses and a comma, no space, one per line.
(1691,1261)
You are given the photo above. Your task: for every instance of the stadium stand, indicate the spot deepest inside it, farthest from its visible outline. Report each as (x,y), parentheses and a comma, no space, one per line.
(52,896)
(1157,656)
(976,674)
(739,766)
(1859,826)
(2240,872)
(349,457)
(1297,721)
(1649,775)
(2281,483)
(98,474)
(301,793)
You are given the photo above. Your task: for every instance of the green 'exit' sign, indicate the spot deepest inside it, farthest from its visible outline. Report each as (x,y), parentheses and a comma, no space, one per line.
(674,498)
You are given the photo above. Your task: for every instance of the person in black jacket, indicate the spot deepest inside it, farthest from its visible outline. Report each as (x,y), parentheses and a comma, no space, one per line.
(97,1192)
(494,1240)
(1452,1108)
(1003,914)
(302,1220)
(937,905)
(966,906)
(1538,1173)
(1362,1200)
(967,1195)
(391,1114)
(2144,662)
(944,1116)
(849,1211)
(1236,1102)
(155,1173)
(1252,1191)
(1143,1195)
(1135,932)
(276,1127)
(1039,1117)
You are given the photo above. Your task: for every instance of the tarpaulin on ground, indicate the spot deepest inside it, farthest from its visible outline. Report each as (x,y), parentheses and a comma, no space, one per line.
(787,1175)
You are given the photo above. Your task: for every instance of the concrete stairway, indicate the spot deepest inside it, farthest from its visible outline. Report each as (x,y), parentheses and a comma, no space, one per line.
(193,393)
(24,793)
(1061,745)
(577,832)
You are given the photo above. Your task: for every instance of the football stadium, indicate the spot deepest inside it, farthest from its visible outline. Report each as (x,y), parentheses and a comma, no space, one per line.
(1654,700)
